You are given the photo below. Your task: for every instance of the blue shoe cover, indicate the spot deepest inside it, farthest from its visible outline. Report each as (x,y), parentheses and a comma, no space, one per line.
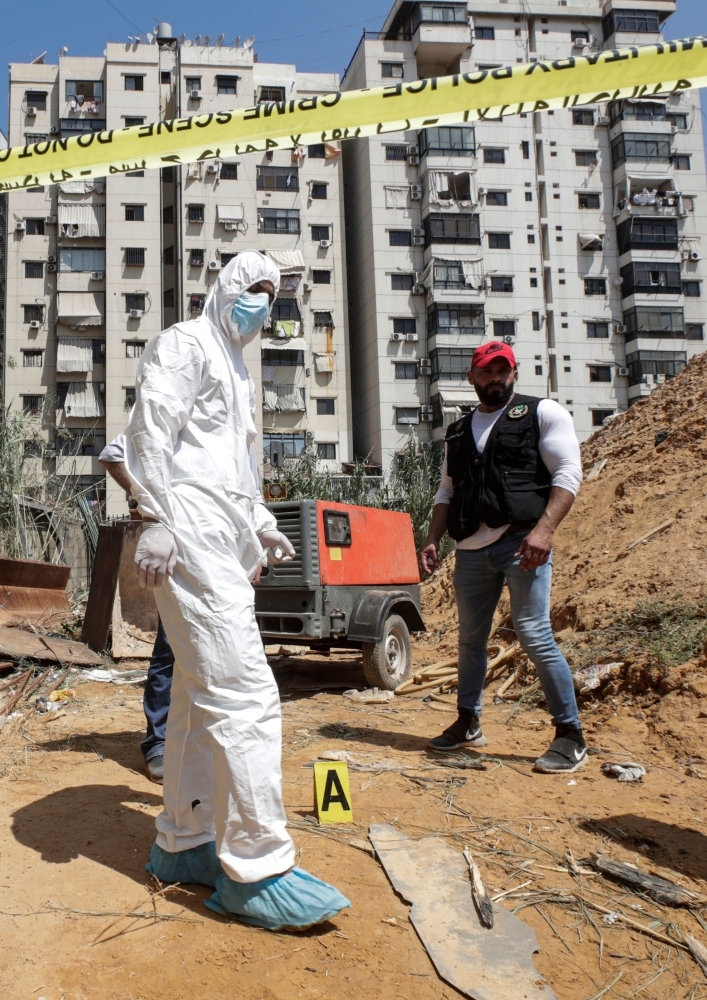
(198,864)
(293,901)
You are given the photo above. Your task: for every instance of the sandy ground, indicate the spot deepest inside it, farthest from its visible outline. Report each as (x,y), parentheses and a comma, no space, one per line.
(77,825)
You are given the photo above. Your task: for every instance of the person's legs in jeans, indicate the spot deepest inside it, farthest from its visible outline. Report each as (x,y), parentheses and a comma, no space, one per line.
(530,611)
(477,588)
(157,696)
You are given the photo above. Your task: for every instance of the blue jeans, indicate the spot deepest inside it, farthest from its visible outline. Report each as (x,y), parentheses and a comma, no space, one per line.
(478,581)
(157,693)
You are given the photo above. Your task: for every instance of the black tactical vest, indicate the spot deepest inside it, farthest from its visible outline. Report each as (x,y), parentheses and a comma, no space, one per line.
(508,483)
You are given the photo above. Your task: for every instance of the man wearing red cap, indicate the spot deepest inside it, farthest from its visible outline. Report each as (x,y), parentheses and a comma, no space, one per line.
(511,471)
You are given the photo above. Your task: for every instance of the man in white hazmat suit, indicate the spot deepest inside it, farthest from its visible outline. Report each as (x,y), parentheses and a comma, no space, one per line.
(187,454)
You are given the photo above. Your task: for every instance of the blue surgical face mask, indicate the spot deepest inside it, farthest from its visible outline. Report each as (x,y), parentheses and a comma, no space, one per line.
(250,312)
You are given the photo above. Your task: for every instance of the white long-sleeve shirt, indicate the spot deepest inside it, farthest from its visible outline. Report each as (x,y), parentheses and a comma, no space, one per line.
(559,450)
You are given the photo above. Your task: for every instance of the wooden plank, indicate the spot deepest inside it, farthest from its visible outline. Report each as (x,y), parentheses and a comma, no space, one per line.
(104,582)
(68,651)
(650,534)
(18,643)
(658,889)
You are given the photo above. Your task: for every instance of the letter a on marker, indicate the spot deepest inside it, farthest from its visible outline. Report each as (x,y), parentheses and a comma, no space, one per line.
(332,793)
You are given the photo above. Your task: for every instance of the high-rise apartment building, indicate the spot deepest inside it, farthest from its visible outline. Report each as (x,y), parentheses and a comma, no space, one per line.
(97,268)
(573,234)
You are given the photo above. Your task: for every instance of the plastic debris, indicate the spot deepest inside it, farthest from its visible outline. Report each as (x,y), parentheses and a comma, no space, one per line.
(63,694)
(626,771)
(610,918)
(115,676)
(43,705)
(371,696)
(590,678)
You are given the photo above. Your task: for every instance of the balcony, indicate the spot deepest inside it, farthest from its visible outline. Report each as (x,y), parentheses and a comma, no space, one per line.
(641,233)
(454,320)
(440,34)
(648,196)
(651,278)
(461,227)
(284,399)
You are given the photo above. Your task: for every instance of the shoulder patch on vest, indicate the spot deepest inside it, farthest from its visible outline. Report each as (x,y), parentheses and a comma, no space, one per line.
(516,412)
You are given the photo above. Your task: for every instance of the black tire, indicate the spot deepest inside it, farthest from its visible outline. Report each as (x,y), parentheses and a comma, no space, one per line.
(386,664)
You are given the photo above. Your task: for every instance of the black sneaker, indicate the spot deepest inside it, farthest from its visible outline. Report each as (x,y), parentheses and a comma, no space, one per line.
(567,752)
(466,732)
(155,769)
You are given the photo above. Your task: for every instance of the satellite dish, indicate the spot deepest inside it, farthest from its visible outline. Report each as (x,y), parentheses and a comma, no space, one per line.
(197,40)
(207,39)
(220,40)
(248,43)
(182,39)
(237,42)
(130,39)
(39,60)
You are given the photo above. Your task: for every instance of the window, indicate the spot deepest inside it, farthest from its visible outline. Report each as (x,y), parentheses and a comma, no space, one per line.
(588,200)
(599,416)
(133,120)
(165,76)
(580,36)
(600,373)
(134,348)
(451,364)
(34,227)
(582,116)
(654,322)
(497,198)
(694,331)
(77,259)
(326,407)
(402,282)
(226,258)
(33,313)
(447,13)
(400,238)
(168,298)
(134,300)
(449,274)
(317,151)
(499,241)
(536,321)
(320,277)
(651,277)
(456,319)
(494,155)
(451,141)
(323,318)
(504,328)
(326,451)
(457,228)
(272,94)
(36,99)
(595,286)
(642,111)
(501,283)
(396,152)
(392,71)
(692,289)
(533,282)
(531,238)
(682,162)
(193,83)
(134,213)
(270,178)
(195,213)
(641,21)
(486,34)
(538,369)
(135,256)
(196,302)
(290,445)
(642,363)
(227,85)
(81,126)
(647,234)
(641,147)
(528,195)
(34,269)
(586,157)
(320,233)
(32,359)
(135,82)
(90,90)
(407,414)
(525,146)
(196,258)
(597,331)
(229,172)
(32,137)
(129,397)
(283,358)
(404,324)
(278,220)
(405,370)
(32,404)
(285,309)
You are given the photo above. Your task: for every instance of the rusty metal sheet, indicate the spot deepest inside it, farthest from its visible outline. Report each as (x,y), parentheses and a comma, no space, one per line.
(17,642)
(32,589)
(483,964)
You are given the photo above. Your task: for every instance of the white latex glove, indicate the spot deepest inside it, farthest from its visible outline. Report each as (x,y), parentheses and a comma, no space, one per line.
(278,547)
(155,555)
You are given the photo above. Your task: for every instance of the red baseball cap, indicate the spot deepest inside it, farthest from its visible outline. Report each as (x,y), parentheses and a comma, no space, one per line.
(486,353)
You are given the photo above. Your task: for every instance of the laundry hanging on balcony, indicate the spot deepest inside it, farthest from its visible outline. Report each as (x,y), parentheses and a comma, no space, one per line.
(82,220)
(74,354)
(286,328)
(84,399)
(80,309)
(451,190)
(284,399)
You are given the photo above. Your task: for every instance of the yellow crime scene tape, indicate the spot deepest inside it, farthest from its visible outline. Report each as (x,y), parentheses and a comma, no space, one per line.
(635,72)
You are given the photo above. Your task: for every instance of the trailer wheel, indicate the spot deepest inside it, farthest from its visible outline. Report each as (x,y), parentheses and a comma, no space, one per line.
(388,663)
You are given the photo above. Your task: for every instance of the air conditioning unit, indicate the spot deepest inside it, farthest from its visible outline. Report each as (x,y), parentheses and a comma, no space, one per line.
(136,313)
(658,379)
(54,130)
(195,95)
(32,112)
(34,324)
(425,366)
(325,244)
(685,254)
(51,266)
(415,192)
(509,339)
(310,435)
(426,414)
(418,289)
(214,265)
(98,275)
(230,226)
(619,328)
(418,236)
(20,227)
(397,337)
(622,371)
(51,220)
(694,255)
(51,258)
(603,120)
(306,286)
(412,337)
(413,160)
(212,168)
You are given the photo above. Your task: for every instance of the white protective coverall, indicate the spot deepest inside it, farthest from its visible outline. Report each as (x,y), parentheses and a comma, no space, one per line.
(187,453)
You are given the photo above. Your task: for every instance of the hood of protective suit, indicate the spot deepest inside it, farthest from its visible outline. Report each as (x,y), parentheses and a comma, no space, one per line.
(238,275)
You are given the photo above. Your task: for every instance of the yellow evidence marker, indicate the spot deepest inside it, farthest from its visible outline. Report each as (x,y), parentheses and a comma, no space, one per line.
(332,792)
